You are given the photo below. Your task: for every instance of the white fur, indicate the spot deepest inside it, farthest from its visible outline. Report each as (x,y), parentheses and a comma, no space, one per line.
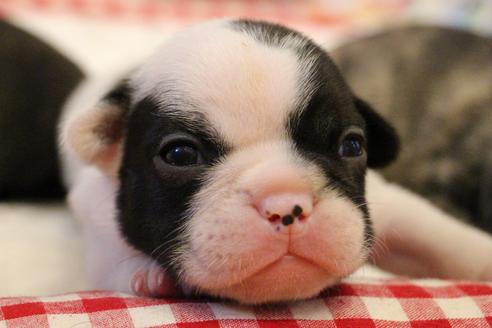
(111,263)
(239,83)
(418,239)
(93,201)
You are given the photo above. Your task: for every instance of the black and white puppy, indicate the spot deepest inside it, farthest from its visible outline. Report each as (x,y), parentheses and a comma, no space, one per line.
(232,163)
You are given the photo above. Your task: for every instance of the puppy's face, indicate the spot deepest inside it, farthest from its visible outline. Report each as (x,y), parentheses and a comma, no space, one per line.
(241,157)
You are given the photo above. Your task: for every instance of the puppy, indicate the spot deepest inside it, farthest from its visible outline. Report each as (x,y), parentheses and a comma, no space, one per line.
(434,84)
(35,81)
(232,163)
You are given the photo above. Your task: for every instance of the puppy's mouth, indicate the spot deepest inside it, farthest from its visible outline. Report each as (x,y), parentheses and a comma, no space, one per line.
(289,277)
(286,260)
(287,264)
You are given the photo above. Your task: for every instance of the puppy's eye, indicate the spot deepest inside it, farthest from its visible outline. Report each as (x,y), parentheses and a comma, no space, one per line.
(351,146)
(181,155)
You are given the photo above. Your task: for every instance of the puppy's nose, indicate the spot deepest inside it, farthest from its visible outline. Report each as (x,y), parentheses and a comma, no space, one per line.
(285,208)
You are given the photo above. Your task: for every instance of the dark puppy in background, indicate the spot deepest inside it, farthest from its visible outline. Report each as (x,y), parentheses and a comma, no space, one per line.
(435,86)
(35,80)
(233,163)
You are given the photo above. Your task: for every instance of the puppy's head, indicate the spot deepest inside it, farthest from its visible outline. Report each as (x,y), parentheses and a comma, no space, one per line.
(240,155)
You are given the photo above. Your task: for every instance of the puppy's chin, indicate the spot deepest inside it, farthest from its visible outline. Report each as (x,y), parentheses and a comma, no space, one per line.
(286,279)
(248,259)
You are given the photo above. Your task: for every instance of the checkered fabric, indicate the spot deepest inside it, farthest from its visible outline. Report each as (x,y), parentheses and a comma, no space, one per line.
(354,303)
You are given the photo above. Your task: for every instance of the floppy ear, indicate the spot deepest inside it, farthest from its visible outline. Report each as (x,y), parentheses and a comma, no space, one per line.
(383,143)
(96,135)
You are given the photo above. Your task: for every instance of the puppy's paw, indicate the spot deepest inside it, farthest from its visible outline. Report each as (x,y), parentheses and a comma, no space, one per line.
(153,282)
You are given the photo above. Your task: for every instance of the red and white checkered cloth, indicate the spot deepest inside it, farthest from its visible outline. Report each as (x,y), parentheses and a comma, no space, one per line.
(355,303)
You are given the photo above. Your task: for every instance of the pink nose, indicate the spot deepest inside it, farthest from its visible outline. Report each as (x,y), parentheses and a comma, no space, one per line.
(285,208)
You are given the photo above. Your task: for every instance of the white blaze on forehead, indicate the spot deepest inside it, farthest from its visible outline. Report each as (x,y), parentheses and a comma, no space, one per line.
(244,87)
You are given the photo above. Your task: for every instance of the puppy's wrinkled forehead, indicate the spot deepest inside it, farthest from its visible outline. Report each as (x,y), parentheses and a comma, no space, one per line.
(237,74)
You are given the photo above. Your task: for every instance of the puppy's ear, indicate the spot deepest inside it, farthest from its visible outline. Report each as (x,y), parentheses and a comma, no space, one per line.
(96,135)
(383,143)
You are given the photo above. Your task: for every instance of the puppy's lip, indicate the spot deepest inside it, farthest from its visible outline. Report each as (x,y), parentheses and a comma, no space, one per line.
(284,275)
(287,259)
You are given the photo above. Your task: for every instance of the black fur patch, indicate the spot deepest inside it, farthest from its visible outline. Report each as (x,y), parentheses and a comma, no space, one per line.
(152,201)
(280,36)
(383,143)
(317,135)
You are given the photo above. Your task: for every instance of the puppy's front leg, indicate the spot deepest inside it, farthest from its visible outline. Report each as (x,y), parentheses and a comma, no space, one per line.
(111,263)
(413,237)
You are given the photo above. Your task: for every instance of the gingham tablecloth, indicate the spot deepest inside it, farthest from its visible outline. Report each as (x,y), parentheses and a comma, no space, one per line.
(355,303)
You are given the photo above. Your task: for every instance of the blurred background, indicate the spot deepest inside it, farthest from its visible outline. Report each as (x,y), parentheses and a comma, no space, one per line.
(40,249)
(100,33)
(346,15)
